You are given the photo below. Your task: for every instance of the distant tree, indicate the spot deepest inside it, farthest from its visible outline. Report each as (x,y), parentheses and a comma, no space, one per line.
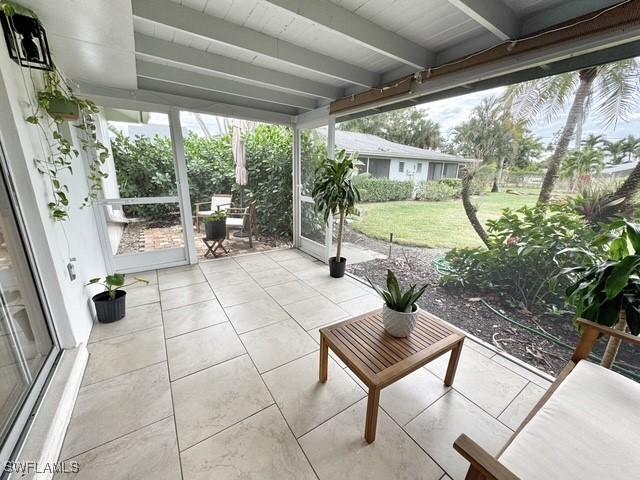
(594,141)
(616,151)
(490,135)
(529,149)
(408,126)
(580,165)
(631,147)
(611,90)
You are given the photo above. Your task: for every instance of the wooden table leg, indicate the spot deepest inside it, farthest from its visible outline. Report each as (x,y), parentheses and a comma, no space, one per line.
(453,363)
(218,244)
(372,414)
(324,359)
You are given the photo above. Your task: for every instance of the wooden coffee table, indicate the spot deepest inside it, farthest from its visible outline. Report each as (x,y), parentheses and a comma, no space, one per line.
(378,359)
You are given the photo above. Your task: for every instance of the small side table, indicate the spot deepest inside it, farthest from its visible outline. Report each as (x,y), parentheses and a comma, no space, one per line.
(378,359)
(213,246)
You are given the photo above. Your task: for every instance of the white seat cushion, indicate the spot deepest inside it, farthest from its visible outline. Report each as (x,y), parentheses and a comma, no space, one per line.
(588,429)
(205,213)
(235,222)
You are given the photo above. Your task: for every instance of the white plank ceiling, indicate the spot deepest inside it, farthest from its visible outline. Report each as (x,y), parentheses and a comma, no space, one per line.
(284,56)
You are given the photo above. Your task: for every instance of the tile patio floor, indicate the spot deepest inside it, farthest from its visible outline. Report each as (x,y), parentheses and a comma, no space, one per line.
(213,374)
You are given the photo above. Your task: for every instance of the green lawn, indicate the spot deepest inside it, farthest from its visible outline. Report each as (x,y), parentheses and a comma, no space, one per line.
(434,224)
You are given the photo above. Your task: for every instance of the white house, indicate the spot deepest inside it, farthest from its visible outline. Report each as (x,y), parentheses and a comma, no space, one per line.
(385,159)
(619,171)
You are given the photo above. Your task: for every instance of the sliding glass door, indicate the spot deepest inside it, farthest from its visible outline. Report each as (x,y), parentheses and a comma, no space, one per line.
(27,344)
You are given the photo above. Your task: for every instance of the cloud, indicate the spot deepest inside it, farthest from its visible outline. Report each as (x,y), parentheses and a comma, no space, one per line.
(453,111)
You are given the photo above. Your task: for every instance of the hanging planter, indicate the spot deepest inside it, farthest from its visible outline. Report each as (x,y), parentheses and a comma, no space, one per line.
(61,108)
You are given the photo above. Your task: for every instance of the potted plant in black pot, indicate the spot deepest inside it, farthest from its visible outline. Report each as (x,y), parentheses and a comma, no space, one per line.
(400,310)
(111,304)
(334,193)
(215,225)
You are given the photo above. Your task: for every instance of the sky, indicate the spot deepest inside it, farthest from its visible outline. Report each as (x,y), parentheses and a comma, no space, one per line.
(452,111)
(449,113)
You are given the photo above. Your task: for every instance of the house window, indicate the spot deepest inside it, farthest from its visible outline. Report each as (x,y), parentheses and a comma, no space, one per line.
(450,170)
(401,167)
(419,168)
(435,171)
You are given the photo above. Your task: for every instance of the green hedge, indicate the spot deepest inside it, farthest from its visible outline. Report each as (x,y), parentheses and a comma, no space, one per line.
(382,189)
(145,169)
(437,191)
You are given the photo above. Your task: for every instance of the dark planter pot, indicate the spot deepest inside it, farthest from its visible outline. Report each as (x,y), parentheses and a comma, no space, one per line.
(110,310)
(336,269)
(215,230)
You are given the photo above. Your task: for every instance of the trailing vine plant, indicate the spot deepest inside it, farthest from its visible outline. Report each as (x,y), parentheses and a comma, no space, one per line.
(59,151)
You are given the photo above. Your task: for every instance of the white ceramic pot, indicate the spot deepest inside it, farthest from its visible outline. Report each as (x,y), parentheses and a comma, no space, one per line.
(399,324)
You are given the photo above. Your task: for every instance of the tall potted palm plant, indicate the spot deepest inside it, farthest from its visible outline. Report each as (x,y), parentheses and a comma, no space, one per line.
(335,194)
(608,292)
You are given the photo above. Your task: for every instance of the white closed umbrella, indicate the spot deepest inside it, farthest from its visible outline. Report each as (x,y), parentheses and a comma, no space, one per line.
(239,156)
(240,127)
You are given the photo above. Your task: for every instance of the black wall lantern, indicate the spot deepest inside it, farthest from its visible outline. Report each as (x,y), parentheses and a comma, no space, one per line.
(26,41)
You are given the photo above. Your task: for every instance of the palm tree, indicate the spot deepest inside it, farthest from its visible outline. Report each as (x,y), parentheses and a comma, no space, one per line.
(610,90)
(631,145)
(616,151)
(594,141)
(580,165)
(490,135)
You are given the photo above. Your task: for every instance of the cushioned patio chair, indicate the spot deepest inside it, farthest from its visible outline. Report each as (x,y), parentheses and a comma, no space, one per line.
(245,219)
(220,201)
(586,426)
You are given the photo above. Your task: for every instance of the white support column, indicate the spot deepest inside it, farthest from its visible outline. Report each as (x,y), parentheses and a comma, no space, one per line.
(296,186)
(182,183)
(331,146)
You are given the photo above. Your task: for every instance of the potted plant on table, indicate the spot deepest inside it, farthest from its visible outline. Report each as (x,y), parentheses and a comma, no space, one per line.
(608,292)
(215,225)
(400,310)
(111,304)
(334,193)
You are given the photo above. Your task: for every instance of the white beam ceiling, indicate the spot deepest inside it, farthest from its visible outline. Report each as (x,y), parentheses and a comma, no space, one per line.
(360,30)
(176,53)
(208,82)
(494,15)
(191,21)
(153,100)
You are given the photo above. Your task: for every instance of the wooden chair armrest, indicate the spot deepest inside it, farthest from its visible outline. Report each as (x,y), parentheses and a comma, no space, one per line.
(482,461)
(197,204)
(590,334)
(611,332)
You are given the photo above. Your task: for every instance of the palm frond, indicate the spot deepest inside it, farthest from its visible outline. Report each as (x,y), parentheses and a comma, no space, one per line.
(617,90)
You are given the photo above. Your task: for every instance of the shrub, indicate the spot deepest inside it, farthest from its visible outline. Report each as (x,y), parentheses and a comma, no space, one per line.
(452,182)
(520,262)
(437,191)
(145,168)
(382,189)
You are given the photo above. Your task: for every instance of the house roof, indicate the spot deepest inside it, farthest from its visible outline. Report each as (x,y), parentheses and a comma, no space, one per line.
(623,167)
(369,145)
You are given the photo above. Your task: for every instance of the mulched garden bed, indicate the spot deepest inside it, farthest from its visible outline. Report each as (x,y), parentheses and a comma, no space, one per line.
(469,309)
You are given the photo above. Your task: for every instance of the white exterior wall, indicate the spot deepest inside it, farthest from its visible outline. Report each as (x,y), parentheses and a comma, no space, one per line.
(70,301)
(410,170)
